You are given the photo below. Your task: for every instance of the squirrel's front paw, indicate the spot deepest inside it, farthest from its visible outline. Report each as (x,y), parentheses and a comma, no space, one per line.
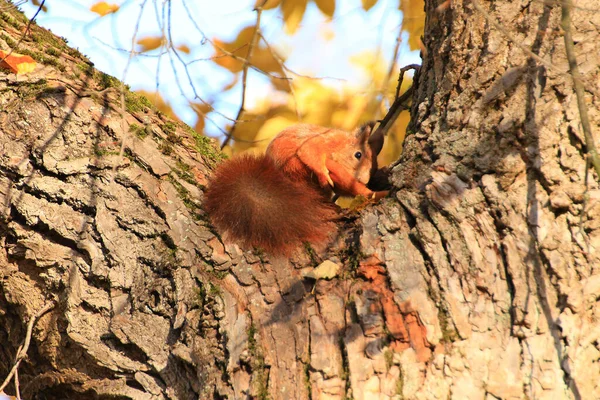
(325,180)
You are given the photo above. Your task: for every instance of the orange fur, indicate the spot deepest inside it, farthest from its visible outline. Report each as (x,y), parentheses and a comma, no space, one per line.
(279,200)
(253,203)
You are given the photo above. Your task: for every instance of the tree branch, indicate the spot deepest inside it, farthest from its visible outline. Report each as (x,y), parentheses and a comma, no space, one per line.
(577,84)
(22,352)
(253,43)
(399,104)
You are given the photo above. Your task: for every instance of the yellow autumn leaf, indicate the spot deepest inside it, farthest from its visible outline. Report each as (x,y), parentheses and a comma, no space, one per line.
(150,43)
(352,114)
(367,4)
(223,59)
(159,102)
(37,3)
(372,65)
(413,21)
(293,12)
(17,63)
(271,128)
(102,8)
(201,109)
(268,4)
(184,48)
(327,7)
(326,270)
(315,101)
(255,129)
(230,85)
(262,57)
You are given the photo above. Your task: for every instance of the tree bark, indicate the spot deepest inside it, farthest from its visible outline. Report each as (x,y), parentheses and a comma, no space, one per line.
(477,279)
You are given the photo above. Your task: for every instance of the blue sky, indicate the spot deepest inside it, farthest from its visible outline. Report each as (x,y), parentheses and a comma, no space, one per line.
(107,41)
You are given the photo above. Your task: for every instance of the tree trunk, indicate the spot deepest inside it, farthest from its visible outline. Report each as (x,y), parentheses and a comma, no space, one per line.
(478,279)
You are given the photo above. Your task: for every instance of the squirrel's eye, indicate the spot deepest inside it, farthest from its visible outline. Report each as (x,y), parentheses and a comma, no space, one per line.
(358,155)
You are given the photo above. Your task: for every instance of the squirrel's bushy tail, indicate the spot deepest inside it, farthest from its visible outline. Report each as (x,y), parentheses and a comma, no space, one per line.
(252,202)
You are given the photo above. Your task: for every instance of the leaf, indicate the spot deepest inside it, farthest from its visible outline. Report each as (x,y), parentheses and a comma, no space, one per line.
(372,65)
(184,48)
(413,21)
(238,47)
(37,4)
(223,59)
(316,101)
(201,109)
(102,8)
(367,4)
(272,127)
(150,43)
(230,85)
(327,7)
(326,270)
(262,57)
(293,12)
(158,102)
(17,63)
(268,5)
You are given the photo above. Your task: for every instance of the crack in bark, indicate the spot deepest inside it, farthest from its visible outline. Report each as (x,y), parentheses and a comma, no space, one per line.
(49,233)
(500,229)
(89,211)
(444,316)
(129,184)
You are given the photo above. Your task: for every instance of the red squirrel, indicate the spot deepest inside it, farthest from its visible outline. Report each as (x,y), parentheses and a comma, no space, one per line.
(278,200)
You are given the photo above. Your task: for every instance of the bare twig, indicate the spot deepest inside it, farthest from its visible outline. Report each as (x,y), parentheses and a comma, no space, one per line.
(224,52)
(231,54)
(246,62)
(253,43)
(414,67)
(283,69)
(186,69)
(17,390)
(401,103)
(579,90)
(22,351)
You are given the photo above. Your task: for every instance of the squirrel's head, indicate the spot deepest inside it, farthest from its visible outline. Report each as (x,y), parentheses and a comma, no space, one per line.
(360,156)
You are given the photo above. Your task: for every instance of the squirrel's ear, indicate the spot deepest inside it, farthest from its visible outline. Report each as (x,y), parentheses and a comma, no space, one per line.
(373,138)
(363,133)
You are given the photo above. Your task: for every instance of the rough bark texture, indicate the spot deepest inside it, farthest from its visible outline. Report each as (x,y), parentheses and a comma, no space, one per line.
(506,230)
(115,241)
(478,279)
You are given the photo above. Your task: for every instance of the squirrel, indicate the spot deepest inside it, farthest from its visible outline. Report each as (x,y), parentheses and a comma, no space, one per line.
(279,200)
